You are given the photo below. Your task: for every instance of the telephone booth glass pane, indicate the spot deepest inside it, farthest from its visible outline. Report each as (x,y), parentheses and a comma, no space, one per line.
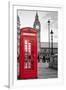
(25,47)
(32,54)
(29,54)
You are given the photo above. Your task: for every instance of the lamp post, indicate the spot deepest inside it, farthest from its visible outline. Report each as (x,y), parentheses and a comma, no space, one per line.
(49,35)
(51,42)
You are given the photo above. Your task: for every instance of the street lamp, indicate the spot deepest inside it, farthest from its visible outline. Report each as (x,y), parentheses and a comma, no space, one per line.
(51,42)
(49,35)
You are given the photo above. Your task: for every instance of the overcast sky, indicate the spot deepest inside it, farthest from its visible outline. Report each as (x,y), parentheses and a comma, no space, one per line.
(27,19)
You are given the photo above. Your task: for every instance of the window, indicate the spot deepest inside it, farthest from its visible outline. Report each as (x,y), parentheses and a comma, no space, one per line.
(27,48)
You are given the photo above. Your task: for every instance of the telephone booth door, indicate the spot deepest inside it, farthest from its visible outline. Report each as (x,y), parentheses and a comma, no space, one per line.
(28,53)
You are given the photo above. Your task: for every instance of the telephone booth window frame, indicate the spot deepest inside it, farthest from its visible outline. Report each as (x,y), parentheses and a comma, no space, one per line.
(27,51)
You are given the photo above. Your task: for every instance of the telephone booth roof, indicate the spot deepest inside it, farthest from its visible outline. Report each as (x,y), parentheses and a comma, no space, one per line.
(28,30)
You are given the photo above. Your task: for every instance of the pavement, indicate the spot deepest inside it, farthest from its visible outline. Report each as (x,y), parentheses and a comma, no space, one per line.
(44,72)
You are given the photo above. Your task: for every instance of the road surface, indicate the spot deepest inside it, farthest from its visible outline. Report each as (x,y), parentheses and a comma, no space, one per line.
(45,72)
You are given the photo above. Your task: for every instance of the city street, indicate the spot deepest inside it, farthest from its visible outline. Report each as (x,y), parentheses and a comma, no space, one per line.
(45,72)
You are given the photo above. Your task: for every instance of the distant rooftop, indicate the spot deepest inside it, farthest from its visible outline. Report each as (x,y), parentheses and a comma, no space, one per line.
(46,45)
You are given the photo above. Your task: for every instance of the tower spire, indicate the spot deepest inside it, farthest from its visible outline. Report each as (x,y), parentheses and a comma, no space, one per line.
(36,17)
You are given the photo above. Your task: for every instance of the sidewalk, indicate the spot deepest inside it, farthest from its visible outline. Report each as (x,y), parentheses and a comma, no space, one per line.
(45,72)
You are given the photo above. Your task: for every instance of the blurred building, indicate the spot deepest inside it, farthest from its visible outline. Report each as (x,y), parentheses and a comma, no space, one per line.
(44,50)
(18,37)
(46,56)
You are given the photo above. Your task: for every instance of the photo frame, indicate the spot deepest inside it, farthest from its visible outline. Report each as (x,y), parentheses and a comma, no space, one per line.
(12,28)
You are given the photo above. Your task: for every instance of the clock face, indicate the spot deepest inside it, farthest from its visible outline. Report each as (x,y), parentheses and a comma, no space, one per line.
(37,27)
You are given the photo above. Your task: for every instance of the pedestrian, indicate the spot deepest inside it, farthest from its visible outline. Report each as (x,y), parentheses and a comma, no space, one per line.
(43,60)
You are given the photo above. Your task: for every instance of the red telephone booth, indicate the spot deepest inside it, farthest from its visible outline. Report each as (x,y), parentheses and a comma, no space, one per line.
(28,53)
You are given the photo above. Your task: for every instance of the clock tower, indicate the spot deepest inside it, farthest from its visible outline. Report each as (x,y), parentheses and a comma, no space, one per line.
(37,25)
